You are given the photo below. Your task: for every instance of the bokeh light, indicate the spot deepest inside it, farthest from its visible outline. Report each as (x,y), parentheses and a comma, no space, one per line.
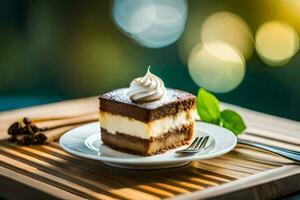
(216,66)
(152,24)
(286,10)
(276,42)
(230,28)
(134,16)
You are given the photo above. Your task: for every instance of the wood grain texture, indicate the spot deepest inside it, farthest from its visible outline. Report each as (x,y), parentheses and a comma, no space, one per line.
(48,172)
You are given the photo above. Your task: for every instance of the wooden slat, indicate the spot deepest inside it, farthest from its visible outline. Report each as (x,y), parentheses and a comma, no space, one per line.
(33,172)
(231,166)
(237,154)
(221,171)
(44,160)
(273,136)
(242,163)
(250,154)
(211,176)
(261,165)
(70,174)
(260,179)
(40,185)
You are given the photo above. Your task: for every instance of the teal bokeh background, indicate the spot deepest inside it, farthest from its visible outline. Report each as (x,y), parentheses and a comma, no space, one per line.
(55,50)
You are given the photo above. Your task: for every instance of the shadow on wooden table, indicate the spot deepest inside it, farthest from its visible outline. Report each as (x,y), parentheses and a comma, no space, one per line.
(87,178)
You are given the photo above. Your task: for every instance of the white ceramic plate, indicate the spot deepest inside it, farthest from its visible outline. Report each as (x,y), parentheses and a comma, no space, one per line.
(85,141)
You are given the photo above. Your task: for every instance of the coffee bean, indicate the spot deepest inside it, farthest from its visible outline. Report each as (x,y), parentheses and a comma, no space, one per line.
(34,141)
(26,120)
(28,139)
(34,128)
(14,128)
(40,138)
(23,130)
(26,133)
(24,139)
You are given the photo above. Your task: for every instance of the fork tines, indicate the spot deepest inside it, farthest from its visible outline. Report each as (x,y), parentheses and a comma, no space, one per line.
(196,146)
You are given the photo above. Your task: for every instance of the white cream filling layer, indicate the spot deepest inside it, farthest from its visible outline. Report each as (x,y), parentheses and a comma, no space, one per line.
(117,123)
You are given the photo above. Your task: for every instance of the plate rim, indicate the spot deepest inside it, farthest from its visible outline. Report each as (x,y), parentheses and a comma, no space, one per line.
(149,162)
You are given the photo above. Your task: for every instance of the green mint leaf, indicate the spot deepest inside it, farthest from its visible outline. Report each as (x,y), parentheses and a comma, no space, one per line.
(208,107)
(232,121)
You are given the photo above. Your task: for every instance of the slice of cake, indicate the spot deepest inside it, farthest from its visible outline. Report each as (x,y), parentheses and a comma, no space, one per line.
(146,118)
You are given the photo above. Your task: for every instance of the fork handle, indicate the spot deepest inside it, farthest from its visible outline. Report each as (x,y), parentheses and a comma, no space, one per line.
(289,154)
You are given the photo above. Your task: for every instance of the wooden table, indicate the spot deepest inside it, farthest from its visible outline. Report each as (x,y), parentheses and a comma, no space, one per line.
(48,172)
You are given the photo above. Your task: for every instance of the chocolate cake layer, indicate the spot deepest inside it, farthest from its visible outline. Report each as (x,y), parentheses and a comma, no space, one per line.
(117,102)
(147,147)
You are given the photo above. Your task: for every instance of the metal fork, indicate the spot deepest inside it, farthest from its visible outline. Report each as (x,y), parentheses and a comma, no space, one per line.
(197,145)
(289,154)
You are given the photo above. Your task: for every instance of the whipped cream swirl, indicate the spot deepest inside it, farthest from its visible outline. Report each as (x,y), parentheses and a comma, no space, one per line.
(147,88)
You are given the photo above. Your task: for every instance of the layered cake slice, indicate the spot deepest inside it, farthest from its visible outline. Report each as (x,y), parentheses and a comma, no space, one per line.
(146,118)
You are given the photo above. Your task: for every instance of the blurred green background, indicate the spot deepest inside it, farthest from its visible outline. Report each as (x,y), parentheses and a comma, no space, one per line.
(54,50)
